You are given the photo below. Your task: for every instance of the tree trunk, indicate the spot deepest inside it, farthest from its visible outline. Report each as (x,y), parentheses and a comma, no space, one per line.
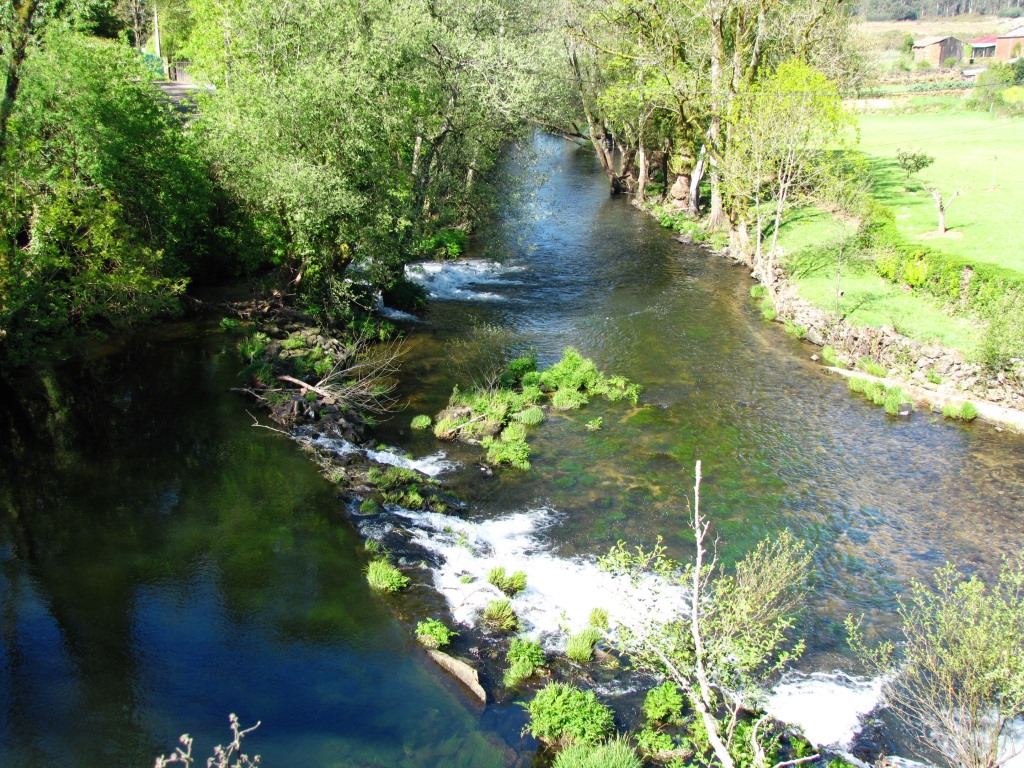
(716,217)
(642,171)
(698,176)
(25,12)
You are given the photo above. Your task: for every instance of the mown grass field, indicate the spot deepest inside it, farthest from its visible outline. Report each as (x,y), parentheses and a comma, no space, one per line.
(812,260)
(986,221)
(977,155)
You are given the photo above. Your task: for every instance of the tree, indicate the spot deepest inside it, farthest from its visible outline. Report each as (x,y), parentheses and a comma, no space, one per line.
(784,130)
(957,677)
(732,635)
(941,205)
(912,161)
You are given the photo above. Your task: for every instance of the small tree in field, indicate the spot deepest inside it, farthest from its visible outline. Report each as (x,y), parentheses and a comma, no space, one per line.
(958,678)
(734,634)
(912,161)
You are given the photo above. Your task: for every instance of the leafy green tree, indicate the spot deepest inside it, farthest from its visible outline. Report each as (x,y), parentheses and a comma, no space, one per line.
(957,677)
(354,130)
(733,635)
(783,131)
(104,203)
(912,161)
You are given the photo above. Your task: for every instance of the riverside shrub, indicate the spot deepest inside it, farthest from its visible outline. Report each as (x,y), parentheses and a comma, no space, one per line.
(562,714)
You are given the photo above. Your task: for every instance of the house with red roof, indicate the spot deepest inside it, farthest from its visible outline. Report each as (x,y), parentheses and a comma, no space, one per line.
(984,47)
(1010,45)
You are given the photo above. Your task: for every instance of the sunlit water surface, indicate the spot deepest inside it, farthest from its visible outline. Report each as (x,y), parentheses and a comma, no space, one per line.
(163,562)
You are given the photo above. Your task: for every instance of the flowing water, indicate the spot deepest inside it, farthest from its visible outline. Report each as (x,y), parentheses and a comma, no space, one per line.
(163,562)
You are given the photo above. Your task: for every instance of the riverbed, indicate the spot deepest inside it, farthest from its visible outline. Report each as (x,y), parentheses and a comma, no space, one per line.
(163,562)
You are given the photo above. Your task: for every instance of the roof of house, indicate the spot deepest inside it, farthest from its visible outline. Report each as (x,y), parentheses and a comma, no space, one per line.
(1016,32)
(984,42)
(924,42)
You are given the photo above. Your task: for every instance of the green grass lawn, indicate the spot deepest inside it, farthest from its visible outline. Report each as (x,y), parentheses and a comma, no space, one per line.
(971,150)
(985,222)
(810,238)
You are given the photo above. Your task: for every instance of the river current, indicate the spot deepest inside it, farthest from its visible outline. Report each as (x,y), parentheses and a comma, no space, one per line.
(164,562)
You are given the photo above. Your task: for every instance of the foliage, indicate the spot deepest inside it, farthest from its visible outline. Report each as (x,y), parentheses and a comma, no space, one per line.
(768,311)
(511,584)
(614,753)
(524,658)
(98,227)
(784,130)
(420,422)
(912,161)
(734,636)
(958,676)
(580,645)
(663,704)
(868,365)
(361,135)
(575,377)
(595,424)
(382,576)
(499,615)
(561,714)
(434,634)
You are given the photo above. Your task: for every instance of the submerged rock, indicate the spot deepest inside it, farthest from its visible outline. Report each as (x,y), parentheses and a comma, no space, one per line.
(461,671)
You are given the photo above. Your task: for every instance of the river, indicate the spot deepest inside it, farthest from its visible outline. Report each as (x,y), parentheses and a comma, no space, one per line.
(163,562)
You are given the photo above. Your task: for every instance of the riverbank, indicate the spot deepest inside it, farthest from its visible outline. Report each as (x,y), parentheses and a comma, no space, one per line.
(936,375)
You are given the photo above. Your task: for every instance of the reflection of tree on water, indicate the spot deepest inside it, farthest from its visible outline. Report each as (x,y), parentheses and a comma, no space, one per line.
(168,564)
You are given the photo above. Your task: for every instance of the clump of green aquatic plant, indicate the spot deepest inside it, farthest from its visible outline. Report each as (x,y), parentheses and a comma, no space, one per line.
(531,416)
(663,704)
(575,373)
(965,412)
(599,619)
(499,615)
(382,576)
(420,422)
(617,752)
(595,424)
(829,357)
(793,329)
(758,291)
(580,646)
(507,450)
(894,398)
(569,400)
(562,714)
(891,398)
(868,365)
(524,658)
(434,634)
(933,376)
(768,309)
(496,415)
(511,584)
(397,485)
(369,507)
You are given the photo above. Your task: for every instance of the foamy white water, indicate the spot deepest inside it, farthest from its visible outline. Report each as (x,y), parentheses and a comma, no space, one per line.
(827,706)
(433,465)
(458,280)
(561,592)
(391,313)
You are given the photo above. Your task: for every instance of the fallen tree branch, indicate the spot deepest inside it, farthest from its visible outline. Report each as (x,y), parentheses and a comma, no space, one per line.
(328,397)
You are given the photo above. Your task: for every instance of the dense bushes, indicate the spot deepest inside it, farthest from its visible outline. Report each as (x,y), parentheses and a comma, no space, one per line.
(106,210)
